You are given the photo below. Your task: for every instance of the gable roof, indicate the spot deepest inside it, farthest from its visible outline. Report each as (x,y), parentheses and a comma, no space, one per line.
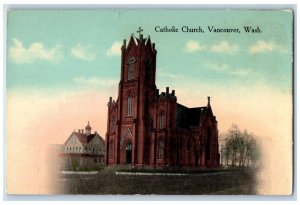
(85,138)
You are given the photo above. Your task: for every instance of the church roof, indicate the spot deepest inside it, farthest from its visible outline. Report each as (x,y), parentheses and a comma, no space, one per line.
(189,116)
(141,40)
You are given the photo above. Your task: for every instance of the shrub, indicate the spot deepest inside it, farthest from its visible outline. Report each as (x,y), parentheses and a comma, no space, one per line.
(74,164)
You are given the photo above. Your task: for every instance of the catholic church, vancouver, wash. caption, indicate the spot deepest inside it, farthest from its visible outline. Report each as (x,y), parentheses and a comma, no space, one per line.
(149,128)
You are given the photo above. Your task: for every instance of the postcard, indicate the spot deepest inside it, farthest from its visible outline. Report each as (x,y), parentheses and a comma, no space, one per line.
(163,102)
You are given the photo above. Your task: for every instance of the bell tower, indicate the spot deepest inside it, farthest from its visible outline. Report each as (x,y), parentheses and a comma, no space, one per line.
(138,59)
(136,92)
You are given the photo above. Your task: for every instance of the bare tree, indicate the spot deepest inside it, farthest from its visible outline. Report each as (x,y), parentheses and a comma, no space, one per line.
(240,148)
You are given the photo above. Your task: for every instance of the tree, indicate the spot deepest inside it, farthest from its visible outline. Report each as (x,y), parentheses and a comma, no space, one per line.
(74,164)
(240,148)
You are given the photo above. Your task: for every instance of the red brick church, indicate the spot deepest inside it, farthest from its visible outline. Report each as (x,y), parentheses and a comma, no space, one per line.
(149,128)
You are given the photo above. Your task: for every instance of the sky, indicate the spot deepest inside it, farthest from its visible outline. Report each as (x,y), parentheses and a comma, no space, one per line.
(85,45)
(63,65)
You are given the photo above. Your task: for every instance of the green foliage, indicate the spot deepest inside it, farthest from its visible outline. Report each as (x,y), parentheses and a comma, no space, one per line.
(74,164)
(240,148)
(97,168)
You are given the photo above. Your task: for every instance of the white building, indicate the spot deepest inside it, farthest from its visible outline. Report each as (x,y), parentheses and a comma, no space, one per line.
(83,149)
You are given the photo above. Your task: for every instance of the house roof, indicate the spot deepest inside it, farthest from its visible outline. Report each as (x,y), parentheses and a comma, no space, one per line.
(85,138)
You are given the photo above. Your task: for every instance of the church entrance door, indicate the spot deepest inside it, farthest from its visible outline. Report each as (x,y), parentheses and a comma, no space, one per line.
(128,153)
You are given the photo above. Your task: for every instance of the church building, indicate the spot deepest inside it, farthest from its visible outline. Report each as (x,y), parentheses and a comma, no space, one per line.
(146,127)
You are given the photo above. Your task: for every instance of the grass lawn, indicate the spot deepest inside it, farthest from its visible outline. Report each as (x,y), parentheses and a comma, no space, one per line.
(196,182)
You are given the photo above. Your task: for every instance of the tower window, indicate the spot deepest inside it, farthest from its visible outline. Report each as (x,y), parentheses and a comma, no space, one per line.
(161,120)
(131,62)
(130,72)
(129,106)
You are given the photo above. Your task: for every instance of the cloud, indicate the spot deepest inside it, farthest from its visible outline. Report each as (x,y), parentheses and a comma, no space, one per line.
(239,73)
(222,47)
(216,67)
(95,81)
(36,51)
(225,47)
(225,68)
(115,49)
(265,47)
(81,52)
(193,46)
(161,73)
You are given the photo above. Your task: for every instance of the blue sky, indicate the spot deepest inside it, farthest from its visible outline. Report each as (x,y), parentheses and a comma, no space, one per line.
(64,49)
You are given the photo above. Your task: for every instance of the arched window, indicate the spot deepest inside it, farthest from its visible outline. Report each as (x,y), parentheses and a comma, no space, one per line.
(130,72)
(161,120)
(129,106)
(160,148)
(131,62)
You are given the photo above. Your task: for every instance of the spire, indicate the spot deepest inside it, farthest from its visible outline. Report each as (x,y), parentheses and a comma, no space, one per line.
(208,101)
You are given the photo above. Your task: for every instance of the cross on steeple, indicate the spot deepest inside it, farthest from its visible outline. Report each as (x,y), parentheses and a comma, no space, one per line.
(140,31)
